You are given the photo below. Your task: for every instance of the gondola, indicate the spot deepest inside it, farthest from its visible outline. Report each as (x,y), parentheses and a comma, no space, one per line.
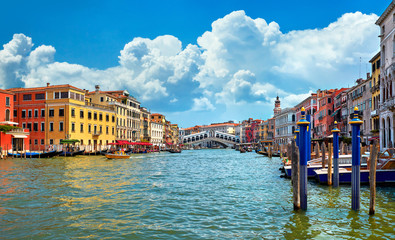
(34,154)
(71,154)
(174,151)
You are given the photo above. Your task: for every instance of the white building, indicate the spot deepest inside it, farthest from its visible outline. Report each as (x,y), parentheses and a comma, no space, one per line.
(156,134)
(220,127)
(387,71)
(285,125)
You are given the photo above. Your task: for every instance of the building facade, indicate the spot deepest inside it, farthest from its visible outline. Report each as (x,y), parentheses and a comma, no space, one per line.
(387,70)
(285,123)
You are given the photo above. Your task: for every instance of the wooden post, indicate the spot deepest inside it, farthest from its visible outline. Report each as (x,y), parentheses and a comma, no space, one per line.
(24,146)
(329,164)
(372,177)
(323,154)
(294,154)
(341,148)
(317,151)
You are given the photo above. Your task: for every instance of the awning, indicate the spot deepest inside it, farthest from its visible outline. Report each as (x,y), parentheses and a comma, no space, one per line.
(9,123)
(19,136)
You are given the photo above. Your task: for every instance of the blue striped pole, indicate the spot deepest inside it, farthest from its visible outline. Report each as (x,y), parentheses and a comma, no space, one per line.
(335,133)
(356,161)
(308,118)
(303,151)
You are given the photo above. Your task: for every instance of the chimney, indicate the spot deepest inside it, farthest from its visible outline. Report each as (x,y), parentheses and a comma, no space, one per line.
(97,87)
(367,75)
(48,84)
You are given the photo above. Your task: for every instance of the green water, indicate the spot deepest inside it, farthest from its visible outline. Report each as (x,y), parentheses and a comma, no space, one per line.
(202,194)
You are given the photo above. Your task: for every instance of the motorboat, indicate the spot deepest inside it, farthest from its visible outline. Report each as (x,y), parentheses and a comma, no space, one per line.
(117,155)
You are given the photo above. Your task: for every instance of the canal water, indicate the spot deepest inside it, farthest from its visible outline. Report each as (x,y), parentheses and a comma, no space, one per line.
(198,194)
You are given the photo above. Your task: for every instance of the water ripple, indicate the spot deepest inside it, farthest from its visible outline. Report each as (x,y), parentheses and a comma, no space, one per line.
(206,194)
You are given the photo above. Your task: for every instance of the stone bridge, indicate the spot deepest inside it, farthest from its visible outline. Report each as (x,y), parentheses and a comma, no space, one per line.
(224,139)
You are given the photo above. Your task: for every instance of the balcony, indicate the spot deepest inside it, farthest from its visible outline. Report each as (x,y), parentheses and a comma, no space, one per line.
(356,96)
(96,134)
(375,88)
(388,104)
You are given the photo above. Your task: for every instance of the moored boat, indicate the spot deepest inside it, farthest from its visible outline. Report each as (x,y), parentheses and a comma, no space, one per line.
(117,155)
(315,164)
(34,154)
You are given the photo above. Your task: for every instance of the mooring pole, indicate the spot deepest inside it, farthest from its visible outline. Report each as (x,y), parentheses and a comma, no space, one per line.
(356,161)
(308,118)
(303,151)
(335,133)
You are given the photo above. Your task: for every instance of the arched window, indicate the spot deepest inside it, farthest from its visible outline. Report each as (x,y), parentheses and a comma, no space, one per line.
(7,114)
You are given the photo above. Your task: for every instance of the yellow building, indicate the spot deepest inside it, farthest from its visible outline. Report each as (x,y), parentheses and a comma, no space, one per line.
(375,83)
(72,115)
(145,125)
(175,134)
(127,110)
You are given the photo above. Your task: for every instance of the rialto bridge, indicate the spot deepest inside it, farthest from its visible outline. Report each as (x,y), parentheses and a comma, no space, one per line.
(224,139)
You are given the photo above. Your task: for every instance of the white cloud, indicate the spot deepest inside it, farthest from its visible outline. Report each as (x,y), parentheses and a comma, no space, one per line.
(202,104)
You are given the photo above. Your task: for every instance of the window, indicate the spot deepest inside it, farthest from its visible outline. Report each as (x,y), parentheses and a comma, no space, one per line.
(42,112)
(107,130)
(82,128)
(15,113)
(29,126)
(101,129)
(73,112)
(42,141)
(23,125)
(329,112)
(72,127)
(113,118)
(89,115)
(35,127)
(51,112)
(29,113)
(35,113)
(94,115)
(42,126)
(101,99)
(27,97)
(329,100)
(56,96)
(61,112)
(64,95)
(23,114)
(81,113)
(100,116)
(14,98)
(7,101)
(60,126)
(89,128)
(40,96)
(112,131)
(107,118)
(51,141)
(35,141)
(7,114)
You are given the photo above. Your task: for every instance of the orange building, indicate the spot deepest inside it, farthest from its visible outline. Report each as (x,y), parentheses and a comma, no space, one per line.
(29,113)
(16,139)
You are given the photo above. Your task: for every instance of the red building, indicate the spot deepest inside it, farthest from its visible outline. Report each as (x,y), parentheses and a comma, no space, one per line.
(29,113)
(16,138)
(323,119)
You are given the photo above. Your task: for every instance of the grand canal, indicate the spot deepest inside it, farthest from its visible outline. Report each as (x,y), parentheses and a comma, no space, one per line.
(201,194)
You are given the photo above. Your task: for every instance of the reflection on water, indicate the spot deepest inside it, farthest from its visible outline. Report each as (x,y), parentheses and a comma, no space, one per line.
(205,194)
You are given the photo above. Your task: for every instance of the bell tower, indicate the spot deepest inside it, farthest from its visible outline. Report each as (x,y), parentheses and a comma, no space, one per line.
(277,107)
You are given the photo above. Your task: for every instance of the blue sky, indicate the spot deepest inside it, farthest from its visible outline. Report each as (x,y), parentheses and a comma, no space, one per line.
(201,61)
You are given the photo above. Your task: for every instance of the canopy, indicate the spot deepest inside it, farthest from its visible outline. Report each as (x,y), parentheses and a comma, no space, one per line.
(19,136)
(72,141)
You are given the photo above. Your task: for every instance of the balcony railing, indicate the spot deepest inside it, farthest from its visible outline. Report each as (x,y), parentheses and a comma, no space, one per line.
(375,88)
(388,104)
(98,133)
